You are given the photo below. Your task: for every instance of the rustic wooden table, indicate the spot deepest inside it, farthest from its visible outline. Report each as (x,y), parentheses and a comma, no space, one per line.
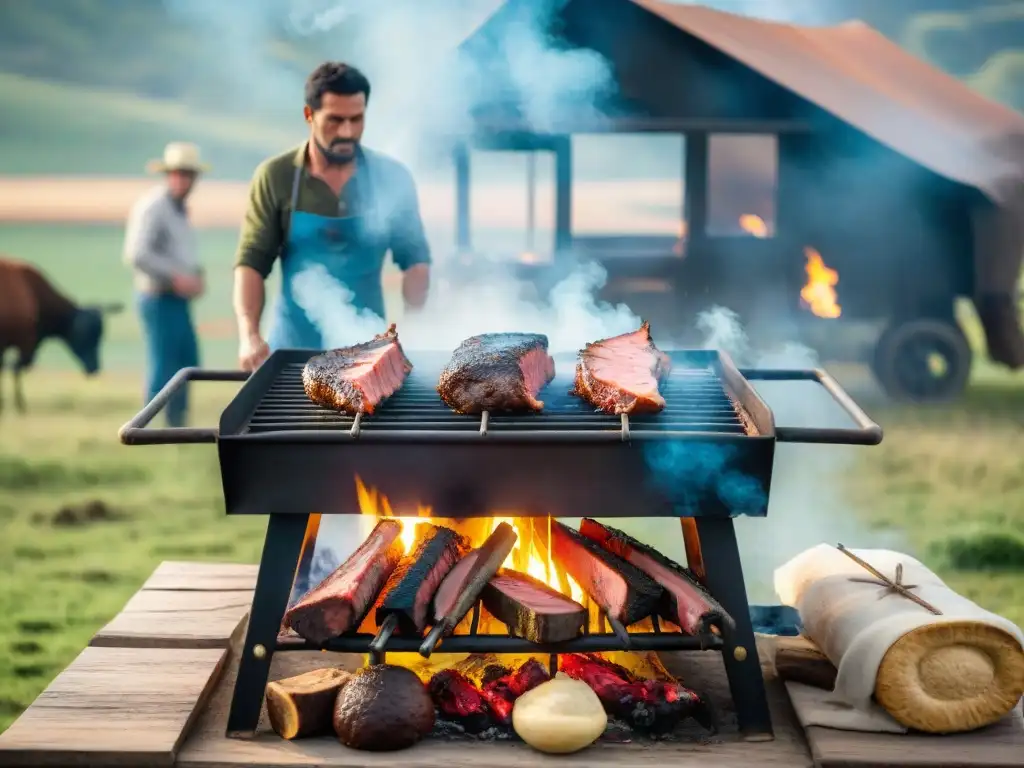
(154,686)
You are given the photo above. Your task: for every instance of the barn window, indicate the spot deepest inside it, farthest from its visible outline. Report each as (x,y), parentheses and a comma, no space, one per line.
(512,197)
(628,186)
(742,181)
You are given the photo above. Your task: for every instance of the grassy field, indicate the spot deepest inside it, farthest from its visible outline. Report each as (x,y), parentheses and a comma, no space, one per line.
(83,520)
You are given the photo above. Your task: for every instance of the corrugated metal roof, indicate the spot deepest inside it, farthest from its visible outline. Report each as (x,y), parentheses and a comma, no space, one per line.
(869,82)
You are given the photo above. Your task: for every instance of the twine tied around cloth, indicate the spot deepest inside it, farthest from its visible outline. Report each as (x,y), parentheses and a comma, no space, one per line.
(896,587)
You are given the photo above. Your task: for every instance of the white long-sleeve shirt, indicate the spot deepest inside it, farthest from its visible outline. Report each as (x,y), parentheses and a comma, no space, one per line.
(159,242)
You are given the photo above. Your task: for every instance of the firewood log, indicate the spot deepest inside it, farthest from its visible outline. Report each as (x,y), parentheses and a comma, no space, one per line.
(799,660)
(304,705)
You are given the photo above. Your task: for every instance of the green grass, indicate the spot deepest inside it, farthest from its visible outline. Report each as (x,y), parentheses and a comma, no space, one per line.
(85,262)
(83,520)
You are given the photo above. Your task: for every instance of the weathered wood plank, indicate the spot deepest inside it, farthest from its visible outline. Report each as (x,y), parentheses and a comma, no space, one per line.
(115,707)
(208,747)
(156,618)
(999,746)
(203,577)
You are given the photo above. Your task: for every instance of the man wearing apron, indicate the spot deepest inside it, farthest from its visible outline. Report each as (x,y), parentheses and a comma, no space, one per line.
(332,206)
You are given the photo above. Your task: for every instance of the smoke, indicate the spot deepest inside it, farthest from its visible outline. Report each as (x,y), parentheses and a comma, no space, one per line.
(572,317)
(809,501)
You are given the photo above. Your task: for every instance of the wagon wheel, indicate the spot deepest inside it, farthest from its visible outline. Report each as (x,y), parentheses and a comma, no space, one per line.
(925,360)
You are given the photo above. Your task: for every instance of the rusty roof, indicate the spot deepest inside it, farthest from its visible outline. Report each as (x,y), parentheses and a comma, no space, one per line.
(869,82)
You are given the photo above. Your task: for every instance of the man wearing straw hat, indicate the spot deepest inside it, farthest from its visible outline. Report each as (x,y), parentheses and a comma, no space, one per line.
(160,246)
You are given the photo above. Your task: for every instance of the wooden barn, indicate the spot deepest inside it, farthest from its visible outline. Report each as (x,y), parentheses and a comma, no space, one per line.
(835,185)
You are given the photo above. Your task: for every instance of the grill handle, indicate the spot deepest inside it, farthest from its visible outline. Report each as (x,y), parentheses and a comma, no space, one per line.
(867,432)
(135,432)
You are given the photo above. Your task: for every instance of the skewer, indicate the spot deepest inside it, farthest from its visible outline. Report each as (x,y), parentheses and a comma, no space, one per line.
(620,632)
(356,425)
(624,420)
(485,418)
(896,586)
(384,634)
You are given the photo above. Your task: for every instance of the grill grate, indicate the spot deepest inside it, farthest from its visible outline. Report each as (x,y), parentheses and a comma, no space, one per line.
(696,402)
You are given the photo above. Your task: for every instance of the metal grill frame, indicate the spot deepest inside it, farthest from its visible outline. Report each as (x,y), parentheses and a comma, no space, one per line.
(480,473)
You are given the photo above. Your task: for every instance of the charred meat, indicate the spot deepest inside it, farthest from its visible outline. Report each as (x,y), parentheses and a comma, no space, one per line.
(464,583)
(410,590)
(497,372)
(684,601)
(623,591)
(531,609)
(356,379)
(652,706)
(622,374)
(339,602)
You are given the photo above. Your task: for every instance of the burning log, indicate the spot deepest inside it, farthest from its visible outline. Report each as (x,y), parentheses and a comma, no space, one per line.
(532,610)
(651,706)
(459,701)
(621,590)
(684,601)
(462,586)
(501,694)
(405,605)
(304,705)
(340,601)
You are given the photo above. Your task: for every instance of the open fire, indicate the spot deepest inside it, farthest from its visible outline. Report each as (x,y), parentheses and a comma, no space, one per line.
(819,292)
(475,693)
(531,555)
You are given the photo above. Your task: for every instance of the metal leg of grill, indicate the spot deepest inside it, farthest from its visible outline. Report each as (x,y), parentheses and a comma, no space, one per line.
(281,552)
(723,577)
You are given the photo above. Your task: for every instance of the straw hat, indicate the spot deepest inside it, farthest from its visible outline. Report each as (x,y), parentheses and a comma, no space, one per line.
(178,156)
(951,677)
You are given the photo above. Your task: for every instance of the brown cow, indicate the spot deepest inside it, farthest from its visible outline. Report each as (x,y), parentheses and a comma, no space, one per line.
(32,310)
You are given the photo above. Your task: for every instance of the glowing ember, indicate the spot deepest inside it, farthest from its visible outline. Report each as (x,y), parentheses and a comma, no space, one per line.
(819,293)
(754,225)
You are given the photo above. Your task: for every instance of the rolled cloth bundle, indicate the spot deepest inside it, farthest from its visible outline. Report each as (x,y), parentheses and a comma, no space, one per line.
(956,671)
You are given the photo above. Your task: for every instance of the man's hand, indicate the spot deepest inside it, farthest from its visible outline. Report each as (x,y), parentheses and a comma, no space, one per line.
(252,351)
(187,286)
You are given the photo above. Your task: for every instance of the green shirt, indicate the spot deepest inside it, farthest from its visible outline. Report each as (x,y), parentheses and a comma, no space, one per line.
(394,206)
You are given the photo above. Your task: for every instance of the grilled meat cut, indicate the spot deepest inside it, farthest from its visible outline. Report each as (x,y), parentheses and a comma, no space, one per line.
(457,583)
(622,374)
(533,610)
(625,592)
(497,372)
(339,602)
(409,591)
(652,706)
(684,601)
(356,379)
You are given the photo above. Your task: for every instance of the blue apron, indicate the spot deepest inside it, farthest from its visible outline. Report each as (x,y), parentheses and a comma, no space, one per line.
(348,247)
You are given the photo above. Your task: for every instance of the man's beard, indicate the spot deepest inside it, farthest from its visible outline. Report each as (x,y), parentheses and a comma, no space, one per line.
(338,158)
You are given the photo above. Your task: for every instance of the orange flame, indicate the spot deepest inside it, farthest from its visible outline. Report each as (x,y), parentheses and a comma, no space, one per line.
(754,225)
(531,555)
(819,293)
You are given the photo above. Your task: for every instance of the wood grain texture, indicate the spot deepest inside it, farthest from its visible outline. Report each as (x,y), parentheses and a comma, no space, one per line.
(158,618)
(203,577)
(999,746)
(115,707)
(208,747)
(799,660)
